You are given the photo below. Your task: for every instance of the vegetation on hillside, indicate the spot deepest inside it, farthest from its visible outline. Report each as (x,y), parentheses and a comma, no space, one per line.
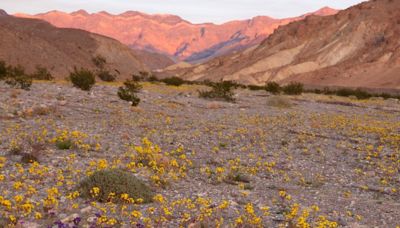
(83,79)
(220,91)
(129,91)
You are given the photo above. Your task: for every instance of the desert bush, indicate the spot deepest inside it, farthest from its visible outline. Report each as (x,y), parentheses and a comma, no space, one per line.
(64,144)
(279,102)
(83,79)
(114,181)
(273,87)
(129,90)
(42,73)
(235,177)
(106,76)
(142,76)
(153,78)
(3,70)
(17,78)
(347,92)
(137,78)
(173,81)
(255,87)
(29,158)
(358,93)
(220,91)
(33,156)
(294,88)
(99,61)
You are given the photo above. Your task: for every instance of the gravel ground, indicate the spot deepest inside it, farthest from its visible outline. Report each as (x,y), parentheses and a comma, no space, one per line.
(334,157)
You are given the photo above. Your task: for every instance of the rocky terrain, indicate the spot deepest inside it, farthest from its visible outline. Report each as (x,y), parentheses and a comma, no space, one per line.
(180,39)
(358,47)
(264,161)
(32,42)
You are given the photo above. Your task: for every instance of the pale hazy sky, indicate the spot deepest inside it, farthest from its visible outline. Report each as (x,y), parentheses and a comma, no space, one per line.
(196,11)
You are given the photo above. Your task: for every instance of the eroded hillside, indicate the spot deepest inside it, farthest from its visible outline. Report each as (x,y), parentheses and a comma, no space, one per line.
(358,47)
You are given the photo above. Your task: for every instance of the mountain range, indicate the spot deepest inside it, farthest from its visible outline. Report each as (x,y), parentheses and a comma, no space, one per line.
(171,35)
(357,47)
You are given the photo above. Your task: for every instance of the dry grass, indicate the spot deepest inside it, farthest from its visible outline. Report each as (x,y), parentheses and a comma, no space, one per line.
(279,102)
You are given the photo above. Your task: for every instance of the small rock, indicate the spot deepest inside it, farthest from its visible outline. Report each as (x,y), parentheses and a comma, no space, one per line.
(28,112)
(342,222)
(86,209)
(214,105)
(27,225)
(194,225)
(70,218)
(91,219)
(62,103)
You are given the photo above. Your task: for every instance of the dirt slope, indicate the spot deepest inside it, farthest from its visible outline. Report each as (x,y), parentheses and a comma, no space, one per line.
(31,42)
(180,39)
(154,60)
(358,47)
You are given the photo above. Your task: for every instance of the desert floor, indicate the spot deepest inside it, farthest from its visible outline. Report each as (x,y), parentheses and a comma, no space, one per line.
(264,161)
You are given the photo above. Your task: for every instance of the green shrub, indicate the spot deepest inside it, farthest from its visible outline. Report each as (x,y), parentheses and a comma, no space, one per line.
(273,87)
(114,181)
(294,88)
(153,78)
(3,70)
(83,79)
(360,94)
(137,78)
(106,76)
(255,87)
(220,91)
(142,76)
(357,93)
(64,144)
(42,73)
(17,78)
(173,81)
(99,61)
(129,90)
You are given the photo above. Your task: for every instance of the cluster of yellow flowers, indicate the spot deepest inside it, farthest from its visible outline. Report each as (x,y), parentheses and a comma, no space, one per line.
(164,166)
(76,138)
(24,201)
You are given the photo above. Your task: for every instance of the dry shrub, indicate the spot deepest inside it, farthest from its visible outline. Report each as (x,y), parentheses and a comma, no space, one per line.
(33,156)
(279,102)
(38,111)
(214,105)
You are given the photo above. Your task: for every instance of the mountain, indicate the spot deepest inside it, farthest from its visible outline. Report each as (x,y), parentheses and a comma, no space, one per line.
(154,60)
(358,47)
(170,34)
(3,13)
(32,42)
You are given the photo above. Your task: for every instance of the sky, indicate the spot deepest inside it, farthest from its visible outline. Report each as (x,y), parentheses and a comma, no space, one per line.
(196,11)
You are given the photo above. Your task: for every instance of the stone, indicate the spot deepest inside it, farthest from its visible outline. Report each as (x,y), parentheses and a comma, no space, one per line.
(70,218)
(91,219)
(27,225)
(86,209)
(62,103)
